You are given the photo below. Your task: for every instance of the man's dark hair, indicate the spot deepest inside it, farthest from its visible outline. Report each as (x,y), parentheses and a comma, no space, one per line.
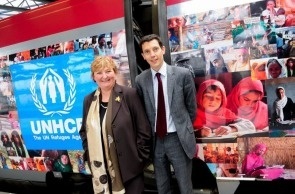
(101,36)
(149,38)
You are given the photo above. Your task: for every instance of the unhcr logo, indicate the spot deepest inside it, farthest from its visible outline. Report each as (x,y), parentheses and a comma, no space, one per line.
(52,90)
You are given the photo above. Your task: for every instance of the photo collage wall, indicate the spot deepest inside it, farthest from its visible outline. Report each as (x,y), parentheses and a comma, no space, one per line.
(242,58)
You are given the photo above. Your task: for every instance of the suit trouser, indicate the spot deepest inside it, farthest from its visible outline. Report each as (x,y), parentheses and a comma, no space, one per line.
(169,150)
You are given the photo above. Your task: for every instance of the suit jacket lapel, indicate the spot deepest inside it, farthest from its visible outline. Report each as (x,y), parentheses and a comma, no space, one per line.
(170,83)
(117,98)
(150,88)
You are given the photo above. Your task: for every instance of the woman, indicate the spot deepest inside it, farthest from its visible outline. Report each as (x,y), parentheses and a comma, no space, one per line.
(7,144)
(275,69)
(290,64)
(243,60)
(217,64)
(18,145)
(254,160)
(115,132)
(212,115)
(246,102)
(283,106)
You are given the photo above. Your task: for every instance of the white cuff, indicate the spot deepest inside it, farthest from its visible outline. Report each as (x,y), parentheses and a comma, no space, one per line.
(229,130)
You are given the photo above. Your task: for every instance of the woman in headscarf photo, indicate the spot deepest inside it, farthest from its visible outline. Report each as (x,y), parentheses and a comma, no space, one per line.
(290,65)
(7,144)
(283,106)
(217,64)
(275,69)
(254,160)
(18,145)
(245,101)
(213,118)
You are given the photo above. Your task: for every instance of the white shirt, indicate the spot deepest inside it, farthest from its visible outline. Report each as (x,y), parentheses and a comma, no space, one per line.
(163,71)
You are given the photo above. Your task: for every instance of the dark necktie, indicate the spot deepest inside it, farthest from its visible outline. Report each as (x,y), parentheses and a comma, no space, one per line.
(161,126)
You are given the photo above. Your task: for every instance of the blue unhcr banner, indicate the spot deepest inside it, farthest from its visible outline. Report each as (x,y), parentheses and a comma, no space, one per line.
(49,96)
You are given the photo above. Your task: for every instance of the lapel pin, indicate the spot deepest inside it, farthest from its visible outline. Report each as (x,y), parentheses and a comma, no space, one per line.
(117,99)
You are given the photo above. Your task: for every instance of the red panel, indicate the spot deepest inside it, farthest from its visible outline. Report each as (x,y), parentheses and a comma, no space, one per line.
(57,17)
(172,2)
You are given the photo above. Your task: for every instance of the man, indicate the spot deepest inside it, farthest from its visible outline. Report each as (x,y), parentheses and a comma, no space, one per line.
(178,145)
(101,45)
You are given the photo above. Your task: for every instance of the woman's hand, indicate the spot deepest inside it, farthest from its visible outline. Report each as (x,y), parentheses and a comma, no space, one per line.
(223,130)
(205,131)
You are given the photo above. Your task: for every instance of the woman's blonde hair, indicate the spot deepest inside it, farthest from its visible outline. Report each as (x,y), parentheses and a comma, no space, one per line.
(101,62)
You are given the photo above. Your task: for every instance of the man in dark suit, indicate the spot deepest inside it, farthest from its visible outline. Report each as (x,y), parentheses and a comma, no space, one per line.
(177,146)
